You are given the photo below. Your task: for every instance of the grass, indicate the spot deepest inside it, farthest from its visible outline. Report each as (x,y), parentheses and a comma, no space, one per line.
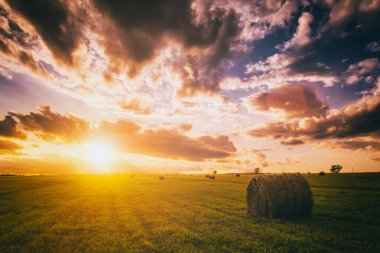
(183,213)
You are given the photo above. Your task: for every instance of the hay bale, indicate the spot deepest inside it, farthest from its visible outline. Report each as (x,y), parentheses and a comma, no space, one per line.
(211,177)
(207,175)
(237,175)
(161,177)
(279,196)
(322,173)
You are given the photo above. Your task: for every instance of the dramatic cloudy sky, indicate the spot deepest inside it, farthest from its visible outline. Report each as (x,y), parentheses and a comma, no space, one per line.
(189,86)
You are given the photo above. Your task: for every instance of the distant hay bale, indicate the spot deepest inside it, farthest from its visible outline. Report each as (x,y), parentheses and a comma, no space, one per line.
(161,177)
(211,177)
(237,175)
(322,173)
(207,175)
(279,196)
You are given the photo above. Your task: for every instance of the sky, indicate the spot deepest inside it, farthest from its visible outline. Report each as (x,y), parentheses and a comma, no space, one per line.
(181,86)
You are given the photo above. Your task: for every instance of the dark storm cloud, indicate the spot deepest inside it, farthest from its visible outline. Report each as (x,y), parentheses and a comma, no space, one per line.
(143,26)
(295,100)
(54,22)
(143,23)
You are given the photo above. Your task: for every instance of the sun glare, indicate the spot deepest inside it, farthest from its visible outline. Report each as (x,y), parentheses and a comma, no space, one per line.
(99,156)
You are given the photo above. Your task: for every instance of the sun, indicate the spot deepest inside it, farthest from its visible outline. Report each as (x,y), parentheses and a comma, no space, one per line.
(99,156)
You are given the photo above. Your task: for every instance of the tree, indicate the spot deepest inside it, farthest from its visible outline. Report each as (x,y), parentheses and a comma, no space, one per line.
(214,172)
(335,168)
(257,170)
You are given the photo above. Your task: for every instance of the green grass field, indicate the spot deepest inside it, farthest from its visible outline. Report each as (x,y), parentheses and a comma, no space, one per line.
(183,213)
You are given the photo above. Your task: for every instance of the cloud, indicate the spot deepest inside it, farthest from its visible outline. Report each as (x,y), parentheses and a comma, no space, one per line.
(356,144)
(50,125)
(9,147)
(186,127)
(289,67)
(58,27)
(375,158)
(260,158)
(128,137)
(9,128)
(358,119)
(302,36)
(221,142)
(345,11)
(135,106)
(284,13)
(138,30)
(11,31)
(295,100)
(16,43)
(361,70)
(373,46)
(292,142)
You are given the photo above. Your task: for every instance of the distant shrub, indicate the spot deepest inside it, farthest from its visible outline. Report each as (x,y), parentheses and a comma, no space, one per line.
(279,196)
(207,175)
(336,168)
(257,170)
(322,173)
(214,172)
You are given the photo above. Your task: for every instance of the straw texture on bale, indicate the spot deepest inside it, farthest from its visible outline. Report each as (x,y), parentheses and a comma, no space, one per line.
(279,196)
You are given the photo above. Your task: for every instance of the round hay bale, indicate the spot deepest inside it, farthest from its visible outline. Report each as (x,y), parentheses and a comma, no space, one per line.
(207,175)
(279,196)
(161,177)
(237,175)
(211,177)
